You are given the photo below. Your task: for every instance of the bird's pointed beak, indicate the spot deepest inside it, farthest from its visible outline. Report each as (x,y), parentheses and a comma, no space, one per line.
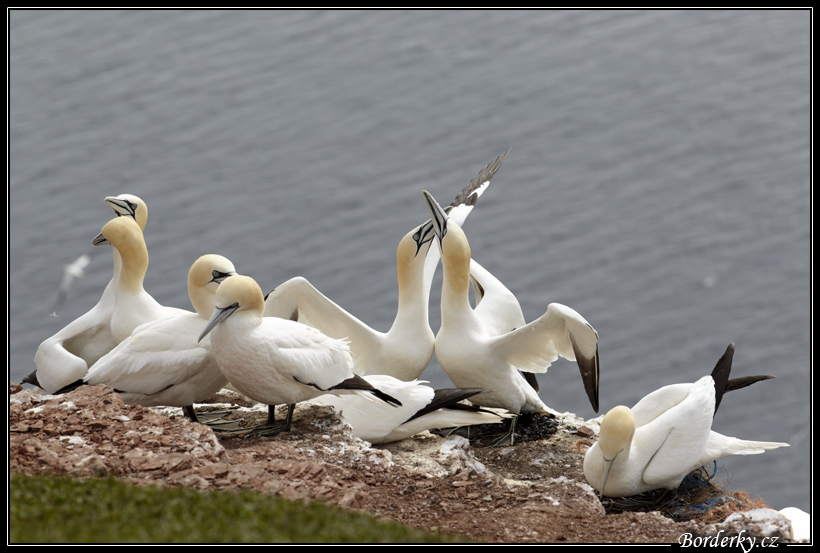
(99,240)
(605,473)
(219,315)
(121,206)
(437,215)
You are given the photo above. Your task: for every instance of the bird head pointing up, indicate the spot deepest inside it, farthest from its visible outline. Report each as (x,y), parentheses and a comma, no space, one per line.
(457,246)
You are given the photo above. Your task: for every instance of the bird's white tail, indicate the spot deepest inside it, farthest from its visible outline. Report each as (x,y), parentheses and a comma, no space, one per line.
(720,446)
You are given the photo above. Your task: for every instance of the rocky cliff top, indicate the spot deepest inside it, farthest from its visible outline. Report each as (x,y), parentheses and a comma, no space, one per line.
(531,492)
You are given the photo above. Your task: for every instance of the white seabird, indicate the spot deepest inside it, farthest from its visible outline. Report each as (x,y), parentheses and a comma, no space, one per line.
(163,362)
(133,306)
(422,408)
(71,272)
(65,357)
(666,435)
(475,352)
(405,350)
(277,361)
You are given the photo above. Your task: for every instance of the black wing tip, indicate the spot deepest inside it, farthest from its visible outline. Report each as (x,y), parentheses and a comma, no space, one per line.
(723,367)
(70,387)
(744,381)
(444,397)
(723,383)
(450,398)
(590,368)
(31,379)
(356,382)
(387,398)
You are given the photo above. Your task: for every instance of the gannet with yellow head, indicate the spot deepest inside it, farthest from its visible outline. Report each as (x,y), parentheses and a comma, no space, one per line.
(666,435)
(163,362)
(66,356)
(277,361)
(133,306)
(405,350)
(474,351)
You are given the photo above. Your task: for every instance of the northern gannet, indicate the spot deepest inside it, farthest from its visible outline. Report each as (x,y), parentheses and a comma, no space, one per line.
(133,306)
(474,350)
(163,362)
(65,357)
(405,350)
(666,435)
(277,361)
(422,408)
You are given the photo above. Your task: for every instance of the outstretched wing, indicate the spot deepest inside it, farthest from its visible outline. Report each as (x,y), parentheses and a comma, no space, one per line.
(298,300)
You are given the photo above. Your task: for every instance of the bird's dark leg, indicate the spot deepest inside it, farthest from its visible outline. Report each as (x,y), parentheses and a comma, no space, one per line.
(190,413)
(271,428)
(271,415)
(211,418)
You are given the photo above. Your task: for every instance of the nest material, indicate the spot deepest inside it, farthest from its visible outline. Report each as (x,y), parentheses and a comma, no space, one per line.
(528,428)
(697,498)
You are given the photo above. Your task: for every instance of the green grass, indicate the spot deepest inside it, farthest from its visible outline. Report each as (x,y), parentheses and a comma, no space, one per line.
(64,510)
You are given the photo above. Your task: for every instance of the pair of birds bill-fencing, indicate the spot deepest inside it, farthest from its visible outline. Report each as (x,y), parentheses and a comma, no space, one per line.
(296,345)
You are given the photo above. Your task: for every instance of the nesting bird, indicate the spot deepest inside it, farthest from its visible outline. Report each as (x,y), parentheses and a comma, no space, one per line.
(474,348)
(422,408)
(666,435)
(65,357)
(163,362)
(278,361)
(405,350)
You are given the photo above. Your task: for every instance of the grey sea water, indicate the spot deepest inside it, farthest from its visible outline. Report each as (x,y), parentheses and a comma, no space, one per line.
(658,183)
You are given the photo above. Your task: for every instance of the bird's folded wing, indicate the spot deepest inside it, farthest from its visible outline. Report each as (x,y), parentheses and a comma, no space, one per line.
(676,438)
(156,355)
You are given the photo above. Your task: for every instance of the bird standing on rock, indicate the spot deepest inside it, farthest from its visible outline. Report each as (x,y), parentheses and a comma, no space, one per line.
(163,362)
(277,361)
